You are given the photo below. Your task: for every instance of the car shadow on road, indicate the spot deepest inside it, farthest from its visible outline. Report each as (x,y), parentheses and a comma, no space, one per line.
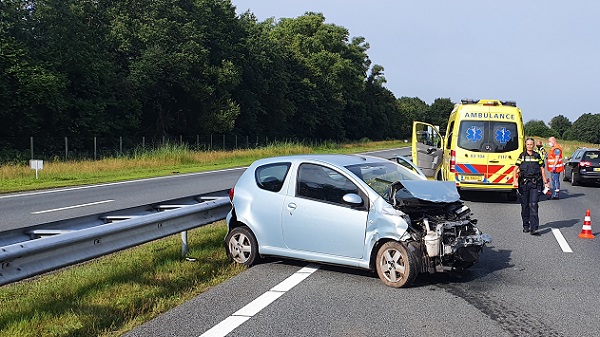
(491,260)
(487,197)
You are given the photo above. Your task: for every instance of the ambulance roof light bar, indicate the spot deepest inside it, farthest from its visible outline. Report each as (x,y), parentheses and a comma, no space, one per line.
(487,103)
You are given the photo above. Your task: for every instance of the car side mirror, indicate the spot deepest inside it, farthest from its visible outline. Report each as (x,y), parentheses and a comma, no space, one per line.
(352,199)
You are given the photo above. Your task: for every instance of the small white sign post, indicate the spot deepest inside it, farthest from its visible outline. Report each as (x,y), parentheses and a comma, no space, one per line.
(36,165)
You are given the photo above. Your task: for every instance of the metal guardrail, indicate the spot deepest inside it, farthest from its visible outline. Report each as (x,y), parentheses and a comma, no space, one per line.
(32,251)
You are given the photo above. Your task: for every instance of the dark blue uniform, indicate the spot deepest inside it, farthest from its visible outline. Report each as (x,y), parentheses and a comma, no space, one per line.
(530,187)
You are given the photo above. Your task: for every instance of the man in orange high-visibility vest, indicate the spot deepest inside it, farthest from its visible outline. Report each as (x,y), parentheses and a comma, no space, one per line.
(555,165)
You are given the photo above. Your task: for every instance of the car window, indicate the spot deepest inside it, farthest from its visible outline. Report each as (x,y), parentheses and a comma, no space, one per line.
(592,156)
(487,136)
(450,134)
(577,154)
(270,177)
(322,183)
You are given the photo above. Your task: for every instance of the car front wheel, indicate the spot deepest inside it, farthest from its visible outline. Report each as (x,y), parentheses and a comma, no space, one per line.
(395,265)
(574,181)
(241,246)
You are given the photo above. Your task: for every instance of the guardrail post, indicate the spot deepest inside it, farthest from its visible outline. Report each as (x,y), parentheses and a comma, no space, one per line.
(184,244)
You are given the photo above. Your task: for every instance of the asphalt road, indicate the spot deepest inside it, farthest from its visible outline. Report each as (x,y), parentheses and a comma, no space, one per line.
(522,285)
(21,210)
(28,209)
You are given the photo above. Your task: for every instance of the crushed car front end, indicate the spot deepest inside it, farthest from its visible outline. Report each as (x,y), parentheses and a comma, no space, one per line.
(441,224)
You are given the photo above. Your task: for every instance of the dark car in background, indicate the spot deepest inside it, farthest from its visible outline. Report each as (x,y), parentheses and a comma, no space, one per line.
(583,166)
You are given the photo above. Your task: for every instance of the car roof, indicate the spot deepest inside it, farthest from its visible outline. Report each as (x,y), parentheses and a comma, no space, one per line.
(335,159)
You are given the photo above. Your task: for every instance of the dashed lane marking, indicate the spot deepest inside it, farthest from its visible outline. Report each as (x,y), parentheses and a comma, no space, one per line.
(74,206)
(561,240)
(239,317)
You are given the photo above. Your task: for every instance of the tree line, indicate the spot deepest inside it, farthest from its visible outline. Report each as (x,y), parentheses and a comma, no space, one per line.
(585,128)
(166,68)
(160,68)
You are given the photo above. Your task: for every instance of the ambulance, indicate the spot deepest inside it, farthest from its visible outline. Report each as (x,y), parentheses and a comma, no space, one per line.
(482,142)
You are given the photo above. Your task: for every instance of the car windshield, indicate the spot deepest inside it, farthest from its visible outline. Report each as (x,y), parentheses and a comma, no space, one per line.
(380,176)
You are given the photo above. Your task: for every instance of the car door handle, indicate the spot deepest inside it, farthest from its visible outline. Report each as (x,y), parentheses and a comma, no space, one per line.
(291,206)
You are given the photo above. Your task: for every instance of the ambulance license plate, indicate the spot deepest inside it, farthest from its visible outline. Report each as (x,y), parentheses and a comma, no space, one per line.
(472,178)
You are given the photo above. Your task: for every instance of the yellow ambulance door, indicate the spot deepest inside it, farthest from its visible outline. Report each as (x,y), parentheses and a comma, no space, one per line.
(504,150)
(471,151)
(427,148)
(449,157)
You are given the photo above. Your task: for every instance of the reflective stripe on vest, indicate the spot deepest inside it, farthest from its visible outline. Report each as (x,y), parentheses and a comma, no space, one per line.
(555,162)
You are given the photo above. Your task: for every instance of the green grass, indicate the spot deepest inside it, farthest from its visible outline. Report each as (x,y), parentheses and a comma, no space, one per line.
(168,160)
(113,294)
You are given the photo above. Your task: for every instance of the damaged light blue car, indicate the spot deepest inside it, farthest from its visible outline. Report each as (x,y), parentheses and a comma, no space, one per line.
(351,210)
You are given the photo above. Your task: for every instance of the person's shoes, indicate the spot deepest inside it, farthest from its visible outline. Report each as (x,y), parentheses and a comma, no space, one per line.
(526,230)
(535,232)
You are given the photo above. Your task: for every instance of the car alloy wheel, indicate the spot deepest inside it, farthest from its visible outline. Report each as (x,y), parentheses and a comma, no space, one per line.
(573,180)
(242,246)
(395,265)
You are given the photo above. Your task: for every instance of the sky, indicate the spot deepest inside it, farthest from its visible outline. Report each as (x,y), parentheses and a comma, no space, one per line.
(543,54)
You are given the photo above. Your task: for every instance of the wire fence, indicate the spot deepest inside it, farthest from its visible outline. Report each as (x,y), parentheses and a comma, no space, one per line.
(95,148)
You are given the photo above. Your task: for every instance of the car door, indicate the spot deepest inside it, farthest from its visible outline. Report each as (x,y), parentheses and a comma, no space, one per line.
(569,165)
(315,218)
(427,146)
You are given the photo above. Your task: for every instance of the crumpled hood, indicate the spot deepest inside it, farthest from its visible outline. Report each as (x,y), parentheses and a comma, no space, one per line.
(428,190)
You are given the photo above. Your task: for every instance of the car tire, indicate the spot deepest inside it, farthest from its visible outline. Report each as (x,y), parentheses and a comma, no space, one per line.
(574,181)
(241,246)
(565,177)
(395,265)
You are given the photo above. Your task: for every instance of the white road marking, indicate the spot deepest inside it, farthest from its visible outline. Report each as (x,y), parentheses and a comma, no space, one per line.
(561,240)
(239,317)
(74,206)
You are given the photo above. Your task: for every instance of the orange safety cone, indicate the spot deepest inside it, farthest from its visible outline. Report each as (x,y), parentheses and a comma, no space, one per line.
(586,230)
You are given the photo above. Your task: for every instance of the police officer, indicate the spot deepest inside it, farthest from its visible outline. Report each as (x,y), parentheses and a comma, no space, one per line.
(541,150)
(531,176)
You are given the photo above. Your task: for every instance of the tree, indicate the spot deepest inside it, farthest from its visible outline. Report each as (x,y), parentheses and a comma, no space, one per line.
(439,111)
(585,129)
(560,124)
(182,59)
(537,128)
(410,109)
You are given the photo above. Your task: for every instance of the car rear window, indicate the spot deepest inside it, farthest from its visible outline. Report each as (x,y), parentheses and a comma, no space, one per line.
(592,156)
(488,136)
(271,177)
